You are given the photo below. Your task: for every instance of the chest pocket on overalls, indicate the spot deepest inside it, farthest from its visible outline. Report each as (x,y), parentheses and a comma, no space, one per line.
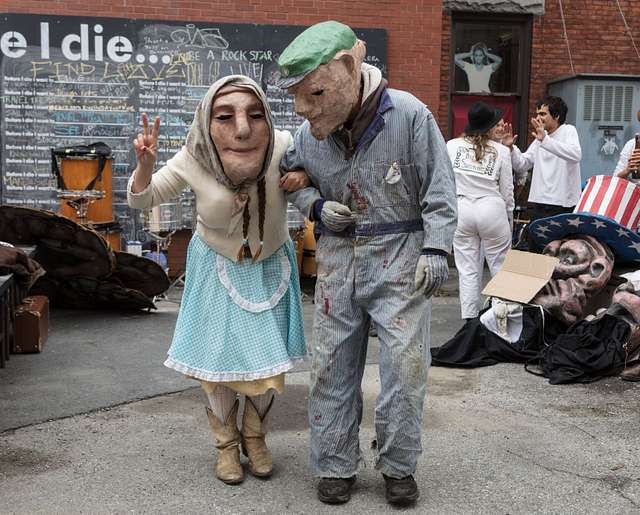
(395,178)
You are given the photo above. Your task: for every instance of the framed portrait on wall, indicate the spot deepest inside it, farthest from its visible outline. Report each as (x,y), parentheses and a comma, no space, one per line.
(490,61)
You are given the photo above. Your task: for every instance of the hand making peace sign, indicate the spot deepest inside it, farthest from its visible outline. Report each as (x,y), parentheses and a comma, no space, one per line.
(146,144)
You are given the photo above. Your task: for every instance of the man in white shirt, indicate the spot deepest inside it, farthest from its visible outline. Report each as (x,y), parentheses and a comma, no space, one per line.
(554,155)
(629,160)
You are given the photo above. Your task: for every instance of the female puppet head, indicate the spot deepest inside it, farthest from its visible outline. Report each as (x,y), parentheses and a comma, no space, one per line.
(232,138)
(232,132)
(584,269)
(240,132)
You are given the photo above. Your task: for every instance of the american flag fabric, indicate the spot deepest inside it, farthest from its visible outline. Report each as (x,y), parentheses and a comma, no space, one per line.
(613,198)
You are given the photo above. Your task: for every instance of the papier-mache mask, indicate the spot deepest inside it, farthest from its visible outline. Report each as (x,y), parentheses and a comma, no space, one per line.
(232,173)
(232,137)
(584,269)
(321,68)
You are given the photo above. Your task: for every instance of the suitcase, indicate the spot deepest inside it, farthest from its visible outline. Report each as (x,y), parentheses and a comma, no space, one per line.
(32,324)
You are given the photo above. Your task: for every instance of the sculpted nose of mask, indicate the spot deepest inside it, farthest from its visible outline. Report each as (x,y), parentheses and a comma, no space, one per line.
(240,133)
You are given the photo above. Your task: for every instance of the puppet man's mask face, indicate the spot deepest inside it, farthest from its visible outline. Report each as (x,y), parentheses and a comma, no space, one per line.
(584,269)
(327,96)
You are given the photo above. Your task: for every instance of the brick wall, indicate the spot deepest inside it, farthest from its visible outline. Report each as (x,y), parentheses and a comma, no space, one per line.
(413,27)
(597,38)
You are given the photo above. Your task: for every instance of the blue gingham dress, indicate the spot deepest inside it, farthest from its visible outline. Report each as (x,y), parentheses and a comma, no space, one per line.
(238,321)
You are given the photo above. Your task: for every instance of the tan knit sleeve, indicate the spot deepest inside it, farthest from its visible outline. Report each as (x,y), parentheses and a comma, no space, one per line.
(166,183)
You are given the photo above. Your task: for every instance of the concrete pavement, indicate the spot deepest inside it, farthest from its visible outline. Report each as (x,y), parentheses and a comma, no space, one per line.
(96,424)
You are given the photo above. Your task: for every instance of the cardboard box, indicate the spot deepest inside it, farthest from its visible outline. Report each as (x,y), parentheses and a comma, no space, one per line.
(523,274)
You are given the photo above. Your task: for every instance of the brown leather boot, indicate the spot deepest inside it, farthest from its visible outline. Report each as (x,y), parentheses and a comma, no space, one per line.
(227,441)
(254,430)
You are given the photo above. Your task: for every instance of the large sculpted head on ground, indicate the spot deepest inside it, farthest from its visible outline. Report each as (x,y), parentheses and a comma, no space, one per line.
(584,269)
(321,69)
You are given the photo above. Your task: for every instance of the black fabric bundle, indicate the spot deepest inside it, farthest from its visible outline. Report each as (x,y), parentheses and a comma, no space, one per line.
(587,351)
(581,353)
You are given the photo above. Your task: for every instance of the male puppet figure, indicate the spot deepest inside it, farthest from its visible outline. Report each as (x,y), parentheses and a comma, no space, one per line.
(384,204)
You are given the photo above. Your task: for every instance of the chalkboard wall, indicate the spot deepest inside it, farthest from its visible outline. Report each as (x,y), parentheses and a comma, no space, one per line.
(77,80)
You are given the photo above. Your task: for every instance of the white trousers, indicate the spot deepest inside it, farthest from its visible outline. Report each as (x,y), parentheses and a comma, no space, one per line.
(483,226)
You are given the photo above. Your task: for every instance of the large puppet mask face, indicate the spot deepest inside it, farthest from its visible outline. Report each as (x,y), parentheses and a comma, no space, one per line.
(584,269)
(240,133)
(327,96)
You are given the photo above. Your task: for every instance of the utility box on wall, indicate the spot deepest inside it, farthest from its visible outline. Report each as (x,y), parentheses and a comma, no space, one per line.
(603,109)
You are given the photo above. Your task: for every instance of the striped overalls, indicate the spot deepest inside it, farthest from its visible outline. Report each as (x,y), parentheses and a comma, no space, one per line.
(400,186)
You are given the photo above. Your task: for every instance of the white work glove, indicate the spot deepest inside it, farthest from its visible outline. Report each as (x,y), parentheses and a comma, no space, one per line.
(336,216)
(432,271)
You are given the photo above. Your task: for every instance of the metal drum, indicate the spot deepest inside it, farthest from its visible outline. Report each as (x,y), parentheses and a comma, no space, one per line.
(76,204)
(295,222)
(79,172)
(165,218)
(170,217)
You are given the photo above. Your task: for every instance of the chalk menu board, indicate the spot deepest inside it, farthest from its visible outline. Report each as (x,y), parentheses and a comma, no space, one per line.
(76,80)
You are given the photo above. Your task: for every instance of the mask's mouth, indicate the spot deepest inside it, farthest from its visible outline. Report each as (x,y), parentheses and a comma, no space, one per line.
(566,295)
(241,151)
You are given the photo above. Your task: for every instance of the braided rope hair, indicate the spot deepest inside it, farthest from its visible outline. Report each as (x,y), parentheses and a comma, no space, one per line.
(262,201)
(245,249)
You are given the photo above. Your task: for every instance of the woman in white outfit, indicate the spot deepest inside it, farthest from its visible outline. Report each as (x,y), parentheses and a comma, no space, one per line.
(484,185)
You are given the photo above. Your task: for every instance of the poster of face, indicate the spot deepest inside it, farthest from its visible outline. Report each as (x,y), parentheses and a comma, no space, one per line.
(485,57)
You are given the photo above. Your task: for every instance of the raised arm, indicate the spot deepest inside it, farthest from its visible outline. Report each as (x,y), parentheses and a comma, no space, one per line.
(623,161)
(495,61)
(459,59)
(520,163)
(146,147)
(145,188)
(568,148)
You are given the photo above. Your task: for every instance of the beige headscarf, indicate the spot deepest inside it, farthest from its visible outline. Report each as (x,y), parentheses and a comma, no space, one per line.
(200,146)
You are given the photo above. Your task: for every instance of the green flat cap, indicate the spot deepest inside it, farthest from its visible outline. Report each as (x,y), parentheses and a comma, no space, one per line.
(315,46)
